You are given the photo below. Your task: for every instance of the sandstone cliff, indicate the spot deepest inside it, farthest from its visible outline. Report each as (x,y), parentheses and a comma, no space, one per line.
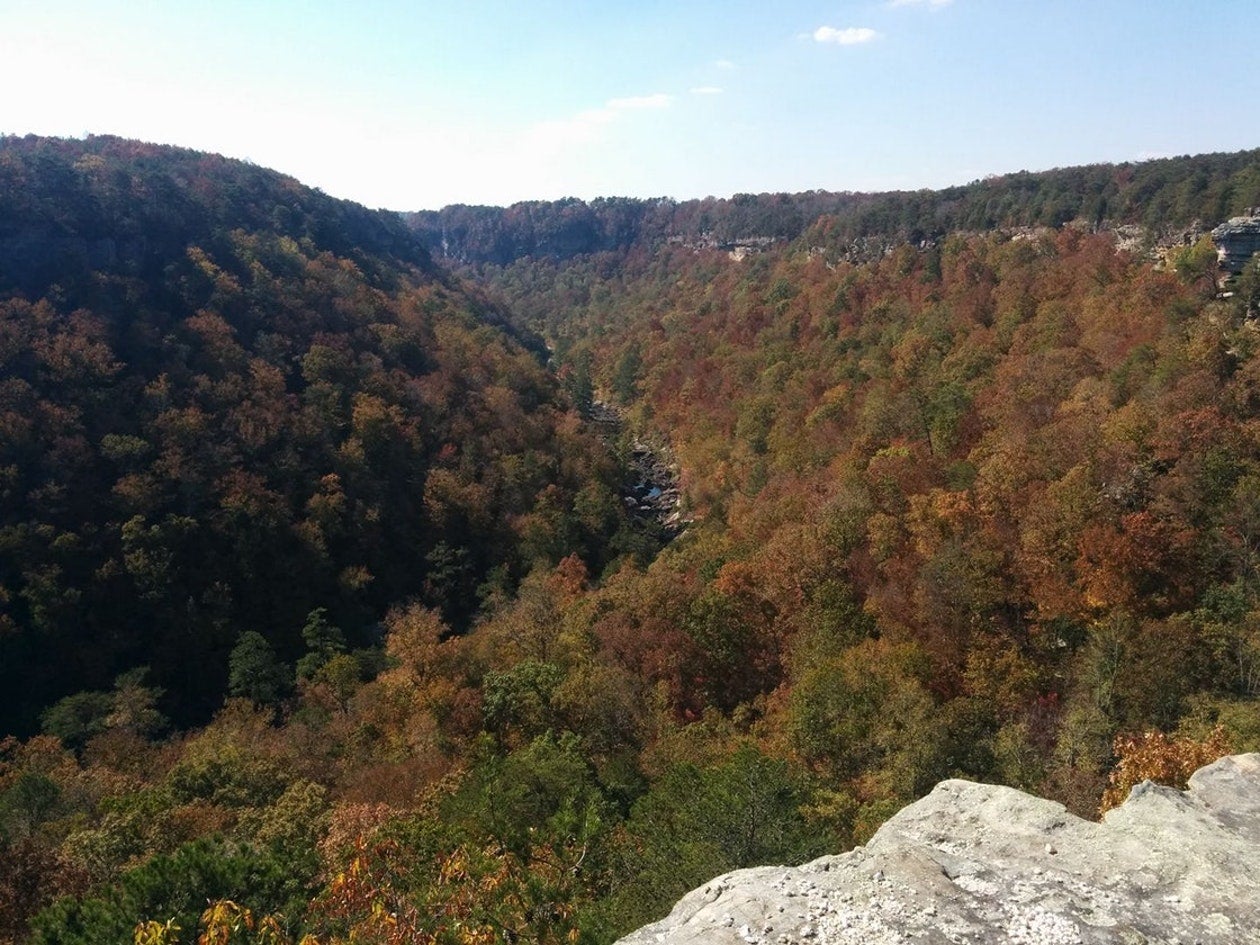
(976,863)
(1237,241)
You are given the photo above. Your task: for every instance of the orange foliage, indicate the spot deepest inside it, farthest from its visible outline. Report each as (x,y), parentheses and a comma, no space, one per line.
(1154,756)
(569,580)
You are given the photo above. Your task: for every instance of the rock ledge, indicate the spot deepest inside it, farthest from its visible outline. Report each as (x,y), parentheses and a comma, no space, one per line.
(977,863)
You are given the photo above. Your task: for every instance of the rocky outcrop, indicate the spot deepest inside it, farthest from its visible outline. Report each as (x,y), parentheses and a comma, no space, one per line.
(1237,241)
(977,863)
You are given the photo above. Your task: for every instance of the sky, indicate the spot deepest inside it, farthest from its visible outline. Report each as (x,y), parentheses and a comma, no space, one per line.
(416,105)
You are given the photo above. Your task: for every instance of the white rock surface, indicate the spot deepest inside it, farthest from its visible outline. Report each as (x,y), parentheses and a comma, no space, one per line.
(977,863)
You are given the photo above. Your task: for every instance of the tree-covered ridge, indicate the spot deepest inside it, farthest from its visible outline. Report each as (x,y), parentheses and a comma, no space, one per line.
(251,416)
(1159,194)
(70,207)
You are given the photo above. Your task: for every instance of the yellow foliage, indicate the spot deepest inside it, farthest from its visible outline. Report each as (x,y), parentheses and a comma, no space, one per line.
(999,673)
(153,932)
(222,920)
(414,637)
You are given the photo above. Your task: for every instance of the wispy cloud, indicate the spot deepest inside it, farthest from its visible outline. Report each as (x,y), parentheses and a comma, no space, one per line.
(584,126)
(659,100)
(919,3)
(706,90)
(724,64)
(849,36)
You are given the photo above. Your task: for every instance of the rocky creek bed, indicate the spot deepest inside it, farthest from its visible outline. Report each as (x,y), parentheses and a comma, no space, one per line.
(653,492)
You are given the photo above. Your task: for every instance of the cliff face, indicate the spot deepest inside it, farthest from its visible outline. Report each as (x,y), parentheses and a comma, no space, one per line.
(1237,241)
(981,863)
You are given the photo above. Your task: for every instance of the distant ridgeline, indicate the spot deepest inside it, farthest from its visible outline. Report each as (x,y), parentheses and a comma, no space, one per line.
(1158,194)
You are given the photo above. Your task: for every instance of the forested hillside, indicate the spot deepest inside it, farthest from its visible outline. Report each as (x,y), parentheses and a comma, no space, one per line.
(229,400)
(983,506)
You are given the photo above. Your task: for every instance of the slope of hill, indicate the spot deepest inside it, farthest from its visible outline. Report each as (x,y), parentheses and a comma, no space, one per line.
(72,208)
(228,400)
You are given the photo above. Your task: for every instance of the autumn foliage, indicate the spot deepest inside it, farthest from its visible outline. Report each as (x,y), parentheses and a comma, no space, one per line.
(1154,756)
(333,610)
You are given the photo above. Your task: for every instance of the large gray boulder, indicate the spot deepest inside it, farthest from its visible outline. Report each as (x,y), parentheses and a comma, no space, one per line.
(977,863)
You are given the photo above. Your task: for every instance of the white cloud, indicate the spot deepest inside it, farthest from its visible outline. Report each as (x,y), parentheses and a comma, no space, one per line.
(584,127)
(849,36)
(724,64)
(706,90)
(659,100)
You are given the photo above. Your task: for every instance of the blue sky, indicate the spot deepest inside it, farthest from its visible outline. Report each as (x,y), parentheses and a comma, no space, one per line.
(414,105)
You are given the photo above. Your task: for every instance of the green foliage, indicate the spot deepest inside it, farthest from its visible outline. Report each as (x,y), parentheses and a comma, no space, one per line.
(254,672)
(323,642)
(543,793)
(727,670)
(25,804)
(130,708)
(134,709)
(1152,192)
(341,675)
(1197,265)
(695,823)
(626,374)
(128,829)
(831,622)
(1017,760)
(868,710)
(519,700)
(292,824)
(227,777)
(176,887)
(1238,718)
(1247,289)
(449,583)
(77,718)
(579,385)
